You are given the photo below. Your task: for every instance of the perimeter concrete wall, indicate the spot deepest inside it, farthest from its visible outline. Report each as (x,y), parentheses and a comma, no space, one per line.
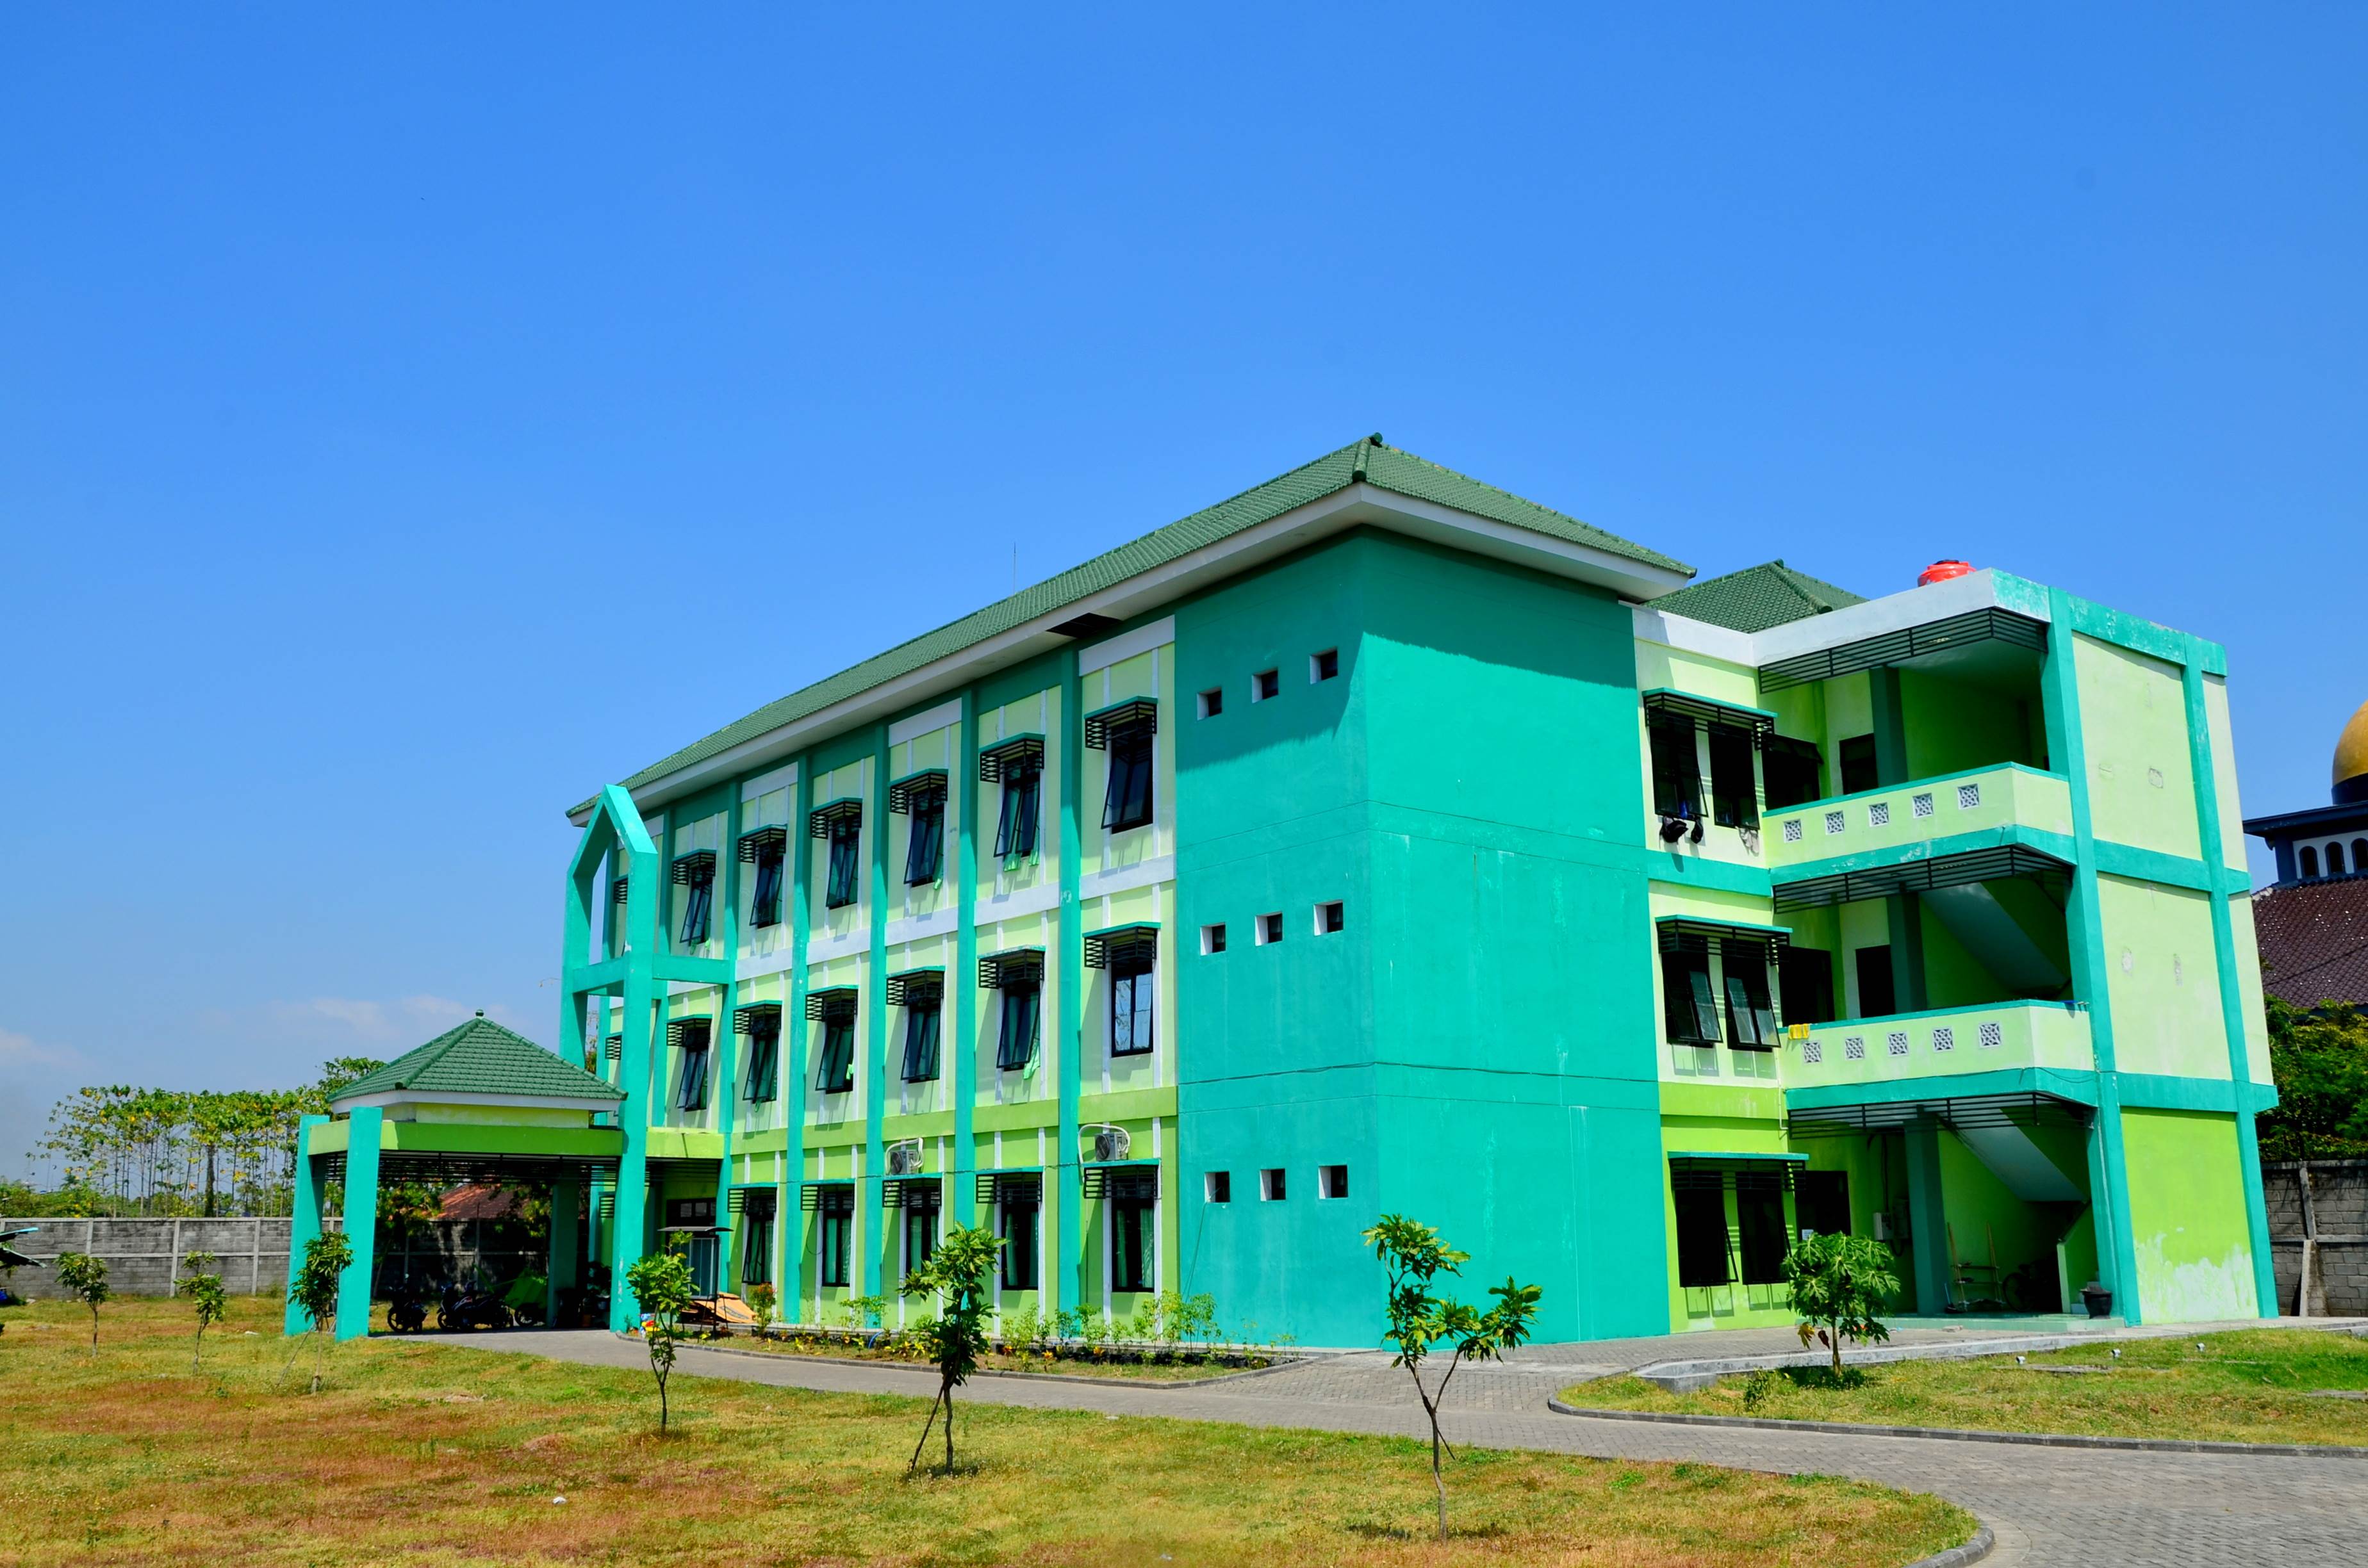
(143,1257)
(2336,1219)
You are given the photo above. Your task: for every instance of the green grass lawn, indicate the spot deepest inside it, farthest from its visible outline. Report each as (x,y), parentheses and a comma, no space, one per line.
(2250,1387)
(418,1453)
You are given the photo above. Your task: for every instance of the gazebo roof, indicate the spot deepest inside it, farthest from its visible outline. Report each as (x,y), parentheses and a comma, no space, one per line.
(479,1058)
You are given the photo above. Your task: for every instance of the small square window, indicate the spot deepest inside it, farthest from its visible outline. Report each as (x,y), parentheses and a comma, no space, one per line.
(1269,929)
(1218,1186)
(1331,1181)
(1266,684)
(1213,938)
(1270,1185)
(1330,917)
(1324,665)
(1212,702)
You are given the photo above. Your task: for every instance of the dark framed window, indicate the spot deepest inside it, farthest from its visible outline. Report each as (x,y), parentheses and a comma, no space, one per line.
(833,1234)
(1808,974)
(1792,771)
(1213,937)
(1876,996)
(920,1235)
(1266,685)
(1134,1231)
(925,851)
(2360,854)
(1689,1006)
(2335,859)
(835,1065)
(1015,1039)
(764,1083)
(1212,702)
(1131,1002)
(695,874)
(1322,667)
(2309,861)
(1127,803)
(766,896)
(1331,917)
(1750,1016)
(757,1235)
(845,844)
(1218,1186)
(1014,1221)
(692,1037)
(1759,1225)
(921,1023)
(1273,1186)
(1014,826)
(1331,1181)
(1701,1229)
(1677,770)
(1734,781)
(1860,771)
(1821,1201)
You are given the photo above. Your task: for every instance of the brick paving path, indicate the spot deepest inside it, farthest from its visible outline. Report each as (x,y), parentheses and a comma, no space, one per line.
(2094,1508)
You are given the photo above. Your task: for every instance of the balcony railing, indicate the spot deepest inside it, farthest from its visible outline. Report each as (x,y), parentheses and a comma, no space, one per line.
(1920,812)
(1998,1037)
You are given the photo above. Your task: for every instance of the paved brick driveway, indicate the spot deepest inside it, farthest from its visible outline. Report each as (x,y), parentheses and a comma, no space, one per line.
(2046,1506)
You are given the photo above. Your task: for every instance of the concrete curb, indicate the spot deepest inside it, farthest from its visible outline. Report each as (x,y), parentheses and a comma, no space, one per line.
(1692,1376)
(1957,1435)
(1974,1550)
(1162,1384)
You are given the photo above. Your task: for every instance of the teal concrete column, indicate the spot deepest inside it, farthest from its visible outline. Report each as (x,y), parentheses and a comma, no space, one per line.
(1890,727)
(303,1215)
(2084,932)
(1928,1217)
(1904,914)
(723,1044)
(558,1273)
(791,1215)
(1062,1040)
(963,994)
(874,1193)
(2224,946)
(362,1220)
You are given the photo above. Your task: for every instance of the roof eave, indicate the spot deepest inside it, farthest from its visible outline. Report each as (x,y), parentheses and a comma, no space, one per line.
(474,1098)
(1356,505)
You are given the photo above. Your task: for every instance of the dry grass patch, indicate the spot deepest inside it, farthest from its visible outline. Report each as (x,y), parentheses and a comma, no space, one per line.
(2257,1386)
(422,1454)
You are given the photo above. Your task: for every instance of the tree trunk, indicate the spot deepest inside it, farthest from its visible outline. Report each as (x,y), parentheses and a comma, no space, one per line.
(1438,1481)
(915,1462)
(949,1428)
(1837,1355)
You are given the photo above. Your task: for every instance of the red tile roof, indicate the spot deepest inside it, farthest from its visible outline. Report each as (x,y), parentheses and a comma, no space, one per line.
(2314,940)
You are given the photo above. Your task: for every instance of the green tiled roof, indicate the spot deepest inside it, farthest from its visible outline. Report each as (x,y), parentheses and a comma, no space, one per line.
(1756,598)
(482,1058)
(1371,460)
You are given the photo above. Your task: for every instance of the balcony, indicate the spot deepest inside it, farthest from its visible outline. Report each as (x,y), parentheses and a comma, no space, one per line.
(1995,802)
(1825,1065)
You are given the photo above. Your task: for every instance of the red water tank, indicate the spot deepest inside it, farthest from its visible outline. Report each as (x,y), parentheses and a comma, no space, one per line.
(1941,571)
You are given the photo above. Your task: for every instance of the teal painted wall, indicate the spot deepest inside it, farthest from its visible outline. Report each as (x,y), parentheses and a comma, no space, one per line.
(1478,1045)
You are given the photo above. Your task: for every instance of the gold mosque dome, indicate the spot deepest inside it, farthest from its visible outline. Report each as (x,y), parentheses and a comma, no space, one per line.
(2352,757)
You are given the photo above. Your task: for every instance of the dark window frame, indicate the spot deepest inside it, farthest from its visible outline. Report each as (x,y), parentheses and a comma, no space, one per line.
(1750,1010)
(1133,1003)
(837,1052)
(1024,1004)
(1809,971)
(1688,1002)
(846,843)
(1018,812)
(1733,778)
(1016,1222)
(1332,1183)
(925,842)
(1676,765)
(1875,975)
(1762,1232)
(1127,801)
(1134,1244)
(696,873)
(1704,1260)
(764,1059)
(764,893)
(1792,772)
(834,1238)
(923,1023)
(695,1038)
(2310,860)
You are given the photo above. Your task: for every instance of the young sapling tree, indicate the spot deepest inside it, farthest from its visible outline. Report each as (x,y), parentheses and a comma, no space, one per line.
(84,1277)
(662,1284)
(1421,1320)
(958,1276)
(1839,1284)
(203,1287)
(315,1291)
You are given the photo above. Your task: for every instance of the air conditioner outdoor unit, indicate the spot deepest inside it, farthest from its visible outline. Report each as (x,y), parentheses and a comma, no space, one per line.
(1111,1143)
(905,1159)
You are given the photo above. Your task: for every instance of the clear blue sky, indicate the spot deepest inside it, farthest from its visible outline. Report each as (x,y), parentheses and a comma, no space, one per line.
(408,423)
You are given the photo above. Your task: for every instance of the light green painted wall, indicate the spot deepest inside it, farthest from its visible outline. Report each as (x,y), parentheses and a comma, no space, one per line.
(2187,1217)
(2224,770)
(2134,736)
(1953,725)
(2248,988)
(2162,978)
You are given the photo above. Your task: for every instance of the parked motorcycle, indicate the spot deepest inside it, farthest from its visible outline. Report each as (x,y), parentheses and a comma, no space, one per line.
(473,1308)
(406,1309)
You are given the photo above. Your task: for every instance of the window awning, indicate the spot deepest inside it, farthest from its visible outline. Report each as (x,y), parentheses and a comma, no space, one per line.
(1014,754)
(1673,703)
(833,1005)
(1011,1187)
(1017,966)
(1714,1157)
(1916,876)
(617,890)
(746,1019)
(1132,1178)
(1677,929)
(1908,643)
(757,841)
(1121,945)
(827,1197)
(922,1193)
(679,1029)
(916,988)
(824,817)
(698,866)
(920,789)
(1135,713)
(757,1202)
